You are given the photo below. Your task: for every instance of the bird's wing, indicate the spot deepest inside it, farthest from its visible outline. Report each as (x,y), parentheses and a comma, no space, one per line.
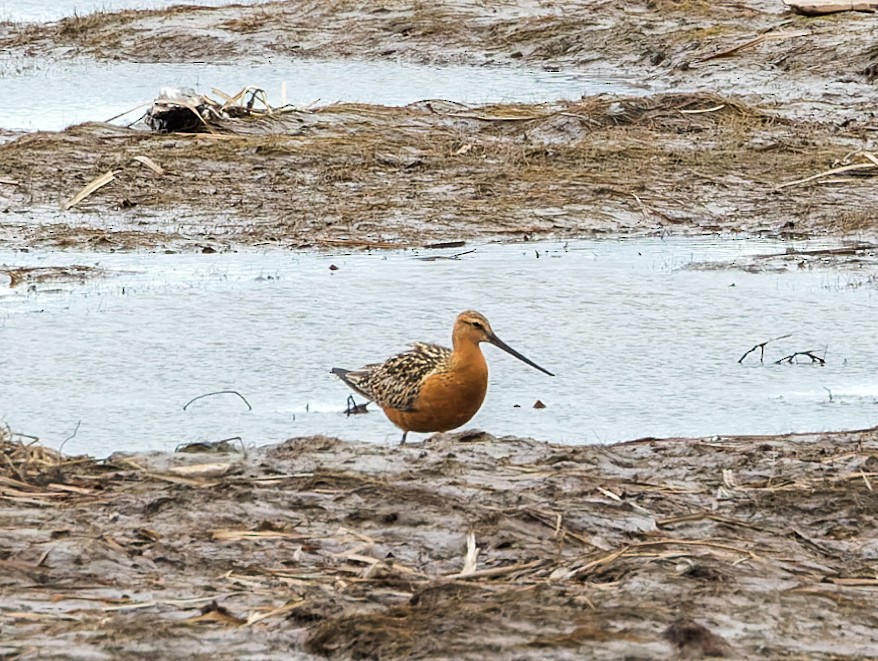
(396,382)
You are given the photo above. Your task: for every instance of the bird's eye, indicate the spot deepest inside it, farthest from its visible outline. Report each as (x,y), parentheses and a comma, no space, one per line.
(476,324)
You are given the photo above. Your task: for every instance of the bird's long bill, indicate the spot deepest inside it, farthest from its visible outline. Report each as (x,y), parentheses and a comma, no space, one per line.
(497,342)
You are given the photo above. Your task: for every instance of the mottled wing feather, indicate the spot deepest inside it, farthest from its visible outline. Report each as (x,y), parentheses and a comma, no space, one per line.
(396,382)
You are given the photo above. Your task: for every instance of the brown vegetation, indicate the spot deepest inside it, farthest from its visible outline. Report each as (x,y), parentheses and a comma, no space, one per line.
(438,171)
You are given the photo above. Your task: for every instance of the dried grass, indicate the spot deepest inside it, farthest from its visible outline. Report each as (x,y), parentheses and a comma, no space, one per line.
(434,171)
(31,473)
(26,461)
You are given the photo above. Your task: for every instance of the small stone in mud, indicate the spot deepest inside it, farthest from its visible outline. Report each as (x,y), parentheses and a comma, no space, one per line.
(695,641)
(539,404)
(469,436)
(214,612)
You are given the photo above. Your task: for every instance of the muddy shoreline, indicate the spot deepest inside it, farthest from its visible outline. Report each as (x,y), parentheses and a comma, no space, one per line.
(466,546)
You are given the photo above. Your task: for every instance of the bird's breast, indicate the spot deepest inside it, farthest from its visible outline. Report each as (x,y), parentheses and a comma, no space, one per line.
(446,401)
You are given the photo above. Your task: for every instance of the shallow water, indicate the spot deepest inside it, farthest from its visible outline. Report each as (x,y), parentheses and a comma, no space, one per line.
(40,93)
(51,95)
(641,345)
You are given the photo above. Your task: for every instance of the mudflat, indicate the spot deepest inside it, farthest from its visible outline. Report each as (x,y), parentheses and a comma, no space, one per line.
(466,546)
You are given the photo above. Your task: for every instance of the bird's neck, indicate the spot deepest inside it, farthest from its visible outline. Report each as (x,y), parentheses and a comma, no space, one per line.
(468,355)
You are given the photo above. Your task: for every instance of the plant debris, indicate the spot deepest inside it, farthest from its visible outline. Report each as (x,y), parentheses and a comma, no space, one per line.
(332,177)
(37,275)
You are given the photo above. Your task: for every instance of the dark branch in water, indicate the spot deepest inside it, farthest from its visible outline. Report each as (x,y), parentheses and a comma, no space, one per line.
(354,408)
(761,347)
(219,392)
(810,354)
(435,258)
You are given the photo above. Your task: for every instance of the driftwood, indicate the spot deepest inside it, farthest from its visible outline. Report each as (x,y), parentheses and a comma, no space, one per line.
(182,110)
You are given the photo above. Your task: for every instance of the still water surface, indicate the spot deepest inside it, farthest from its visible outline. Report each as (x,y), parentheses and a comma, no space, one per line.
(42,94)
(49,93)
(641,344)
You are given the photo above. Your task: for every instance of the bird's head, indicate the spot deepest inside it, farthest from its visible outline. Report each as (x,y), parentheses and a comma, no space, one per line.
(473,327)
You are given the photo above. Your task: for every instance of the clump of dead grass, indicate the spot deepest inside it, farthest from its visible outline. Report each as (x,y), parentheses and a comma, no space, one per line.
(349,171)
(79,25)
(857,220)
(25,461)
(252,20)
(30,469)
(34,275)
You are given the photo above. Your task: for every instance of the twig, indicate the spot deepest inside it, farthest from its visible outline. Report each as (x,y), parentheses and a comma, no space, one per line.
(89,188)
(435,258)
(239,535)
(122,114)
(761,347)
(768,36)
(818,252)
(703,110)
(472,554)
(828,173)
(358,243)
(498,571)
(219,392)
(442,244)
(809,354)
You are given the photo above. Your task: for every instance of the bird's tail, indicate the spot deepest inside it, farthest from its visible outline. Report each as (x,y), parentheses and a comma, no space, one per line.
(343,375)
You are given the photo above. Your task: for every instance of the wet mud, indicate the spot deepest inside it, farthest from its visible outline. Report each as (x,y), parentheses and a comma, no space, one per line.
(465,546)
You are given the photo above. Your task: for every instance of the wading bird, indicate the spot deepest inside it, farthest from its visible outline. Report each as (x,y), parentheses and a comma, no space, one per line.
(431,388)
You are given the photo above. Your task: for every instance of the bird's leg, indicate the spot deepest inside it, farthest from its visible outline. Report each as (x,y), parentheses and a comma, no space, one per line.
(404,434)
